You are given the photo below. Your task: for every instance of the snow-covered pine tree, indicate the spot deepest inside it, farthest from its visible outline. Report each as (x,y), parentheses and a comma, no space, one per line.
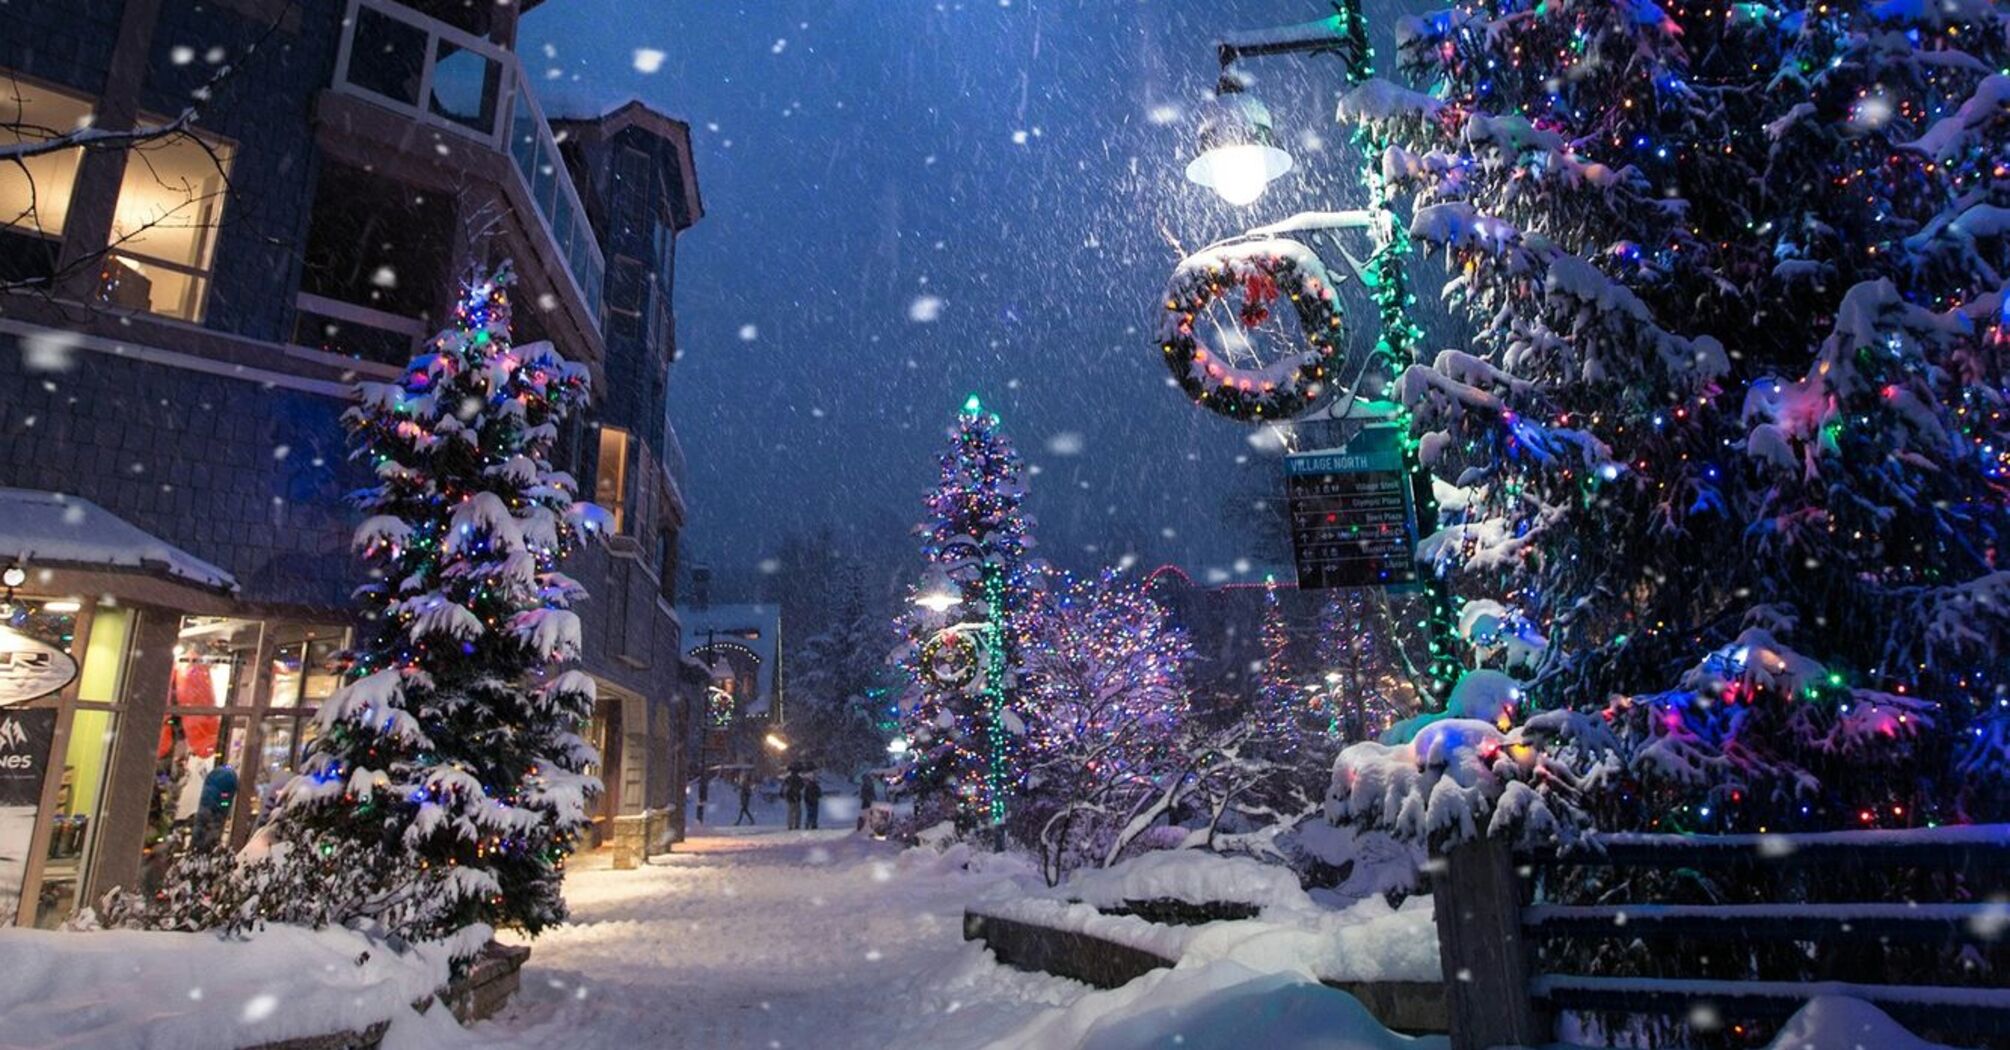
(1107,670)
(448,782)
(963,711)
(837,673)
(1283,714)
(1734,437)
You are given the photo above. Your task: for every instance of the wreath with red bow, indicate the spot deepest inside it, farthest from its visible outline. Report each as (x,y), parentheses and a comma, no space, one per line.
(1263,272)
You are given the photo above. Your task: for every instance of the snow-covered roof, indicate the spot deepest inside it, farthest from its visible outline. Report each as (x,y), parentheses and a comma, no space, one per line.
(45,528)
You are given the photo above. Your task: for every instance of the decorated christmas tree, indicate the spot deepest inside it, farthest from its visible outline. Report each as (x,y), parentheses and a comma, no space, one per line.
(448,782)
(1366,686)
(964,713)
(1732,446)
(1283,712)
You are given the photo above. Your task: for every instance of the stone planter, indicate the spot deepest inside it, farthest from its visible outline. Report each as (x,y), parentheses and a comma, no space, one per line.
(491,979)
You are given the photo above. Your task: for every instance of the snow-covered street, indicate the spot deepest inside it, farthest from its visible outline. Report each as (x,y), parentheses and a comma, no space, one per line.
(770,939)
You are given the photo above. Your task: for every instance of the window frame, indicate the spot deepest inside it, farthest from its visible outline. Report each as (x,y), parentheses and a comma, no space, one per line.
(224,152)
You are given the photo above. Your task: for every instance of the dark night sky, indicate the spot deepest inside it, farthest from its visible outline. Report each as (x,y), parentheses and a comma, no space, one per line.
(1004,167)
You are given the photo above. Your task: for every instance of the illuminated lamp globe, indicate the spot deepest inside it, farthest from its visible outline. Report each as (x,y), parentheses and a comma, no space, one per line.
(1237,158)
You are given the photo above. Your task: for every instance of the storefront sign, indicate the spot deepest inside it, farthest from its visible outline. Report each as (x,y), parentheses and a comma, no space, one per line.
(25,738)
(1353,519)
(30,668)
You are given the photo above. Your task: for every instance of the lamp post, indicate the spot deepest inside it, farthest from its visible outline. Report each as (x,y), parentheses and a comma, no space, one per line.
(1238,159)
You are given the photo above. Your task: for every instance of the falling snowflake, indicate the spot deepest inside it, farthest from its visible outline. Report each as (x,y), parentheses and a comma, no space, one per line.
(648,59)
(925,309)
(1065,443)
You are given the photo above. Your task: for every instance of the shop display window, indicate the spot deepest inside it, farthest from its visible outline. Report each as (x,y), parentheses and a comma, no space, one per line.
(306,664)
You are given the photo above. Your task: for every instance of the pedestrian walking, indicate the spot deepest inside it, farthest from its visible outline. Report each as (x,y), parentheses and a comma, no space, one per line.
(792,793)
(813,797)
(746,800)
(866,797)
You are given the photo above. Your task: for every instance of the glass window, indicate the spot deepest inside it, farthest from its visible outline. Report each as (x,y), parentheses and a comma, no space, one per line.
(279,749)
(213,660)
(164,228)
(305,664)
(387,57)
(466,87)
(35,193)
(610,485)
(73,827)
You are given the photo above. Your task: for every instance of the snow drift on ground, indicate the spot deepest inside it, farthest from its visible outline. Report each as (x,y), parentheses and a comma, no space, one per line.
(1835,1022)
(120,989)
(1220,1004)
(1365,941)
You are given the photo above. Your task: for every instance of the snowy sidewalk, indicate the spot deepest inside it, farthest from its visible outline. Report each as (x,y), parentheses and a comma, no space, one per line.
(769,938)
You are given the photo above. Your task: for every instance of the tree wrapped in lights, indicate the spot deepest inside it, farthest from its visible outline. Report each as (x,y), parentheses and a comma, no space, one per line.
(1740,273)
(964,712)
(1367,687)
(1281,711)
(449,783)
(1107,673)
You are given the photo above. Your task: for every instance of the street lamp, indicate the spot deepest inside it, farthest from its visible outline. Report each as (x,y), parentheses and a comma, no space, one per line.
(776,742)
(1238,158)
(938,601)
(1235,132)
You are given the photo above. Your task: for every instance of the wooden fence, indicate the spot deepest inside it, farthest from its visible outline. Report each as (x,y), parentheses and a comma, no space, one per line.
(1803,923)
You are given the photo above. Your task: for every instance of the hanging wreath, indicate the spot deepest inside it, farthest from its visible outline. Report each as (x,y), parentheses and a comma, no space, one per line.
(1238,379)
(950,660)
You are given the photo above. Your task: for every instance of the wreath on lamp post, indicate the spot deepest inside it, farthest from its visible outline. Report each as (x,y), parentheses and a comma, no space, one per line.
(951,659)
(1236,377)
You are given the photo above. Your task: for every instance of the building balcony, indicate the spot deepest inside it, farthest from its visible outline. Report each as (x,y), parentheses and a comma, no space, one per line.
(462,103)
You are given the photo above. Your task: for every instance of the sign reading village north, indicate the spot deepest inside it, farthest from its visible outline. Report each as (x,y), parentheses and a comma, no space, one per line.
(31,668)
(1353,515)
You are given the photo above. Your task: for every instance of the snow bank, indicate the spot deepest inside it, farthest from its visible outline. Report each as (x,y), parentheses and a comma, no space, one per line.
(1219,1004)
(1836,1022)
(117,989)
(1367,941)
(1192,876)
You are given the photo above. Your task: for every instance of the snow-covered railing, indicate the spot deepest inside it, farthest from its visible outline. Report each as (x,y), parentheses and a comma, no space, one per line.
(1817,915)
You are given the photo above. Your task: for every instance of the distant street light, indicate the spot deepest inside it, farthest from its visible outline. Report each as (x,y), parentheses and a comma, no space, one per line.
(1238,159)
(938,601)
(776,742)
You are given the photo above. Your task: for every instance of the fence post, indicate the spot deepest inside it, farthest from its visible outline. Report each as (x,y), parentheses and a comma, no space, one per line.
(1476,899)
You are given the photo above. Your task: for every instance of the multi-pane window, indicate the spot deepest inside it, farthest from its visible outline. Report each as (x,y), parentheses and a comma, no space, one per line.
(35,191)
(164,226)
(610,484)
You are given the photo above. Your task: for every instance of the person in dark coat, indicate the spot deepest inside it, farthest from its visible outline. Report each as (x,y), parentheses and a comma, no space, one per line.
(866,797)
(813,797)
(792,793)
(746,800)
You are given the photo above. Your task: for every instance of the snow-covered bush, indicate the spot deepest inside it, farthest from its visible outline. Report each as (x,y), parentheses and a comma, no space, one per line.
(1460,778)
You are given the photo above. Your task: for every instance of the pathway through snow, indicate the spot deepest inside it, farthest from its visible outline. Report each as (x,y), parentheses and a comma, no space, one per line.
(768,939)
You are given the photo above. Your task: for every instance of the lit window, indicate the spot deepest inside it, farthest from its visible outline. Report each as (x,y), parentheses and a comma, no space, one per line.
(35,193)
(164,230)
(610,486)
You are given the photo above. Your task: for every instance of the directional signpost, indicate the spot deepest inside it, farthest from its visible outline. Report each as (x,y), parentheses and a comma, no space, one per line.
(1353,518)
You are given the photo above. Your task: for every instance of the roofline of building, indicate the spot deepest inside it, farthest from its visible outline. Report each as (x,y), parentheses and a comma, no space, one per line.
(636,113)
